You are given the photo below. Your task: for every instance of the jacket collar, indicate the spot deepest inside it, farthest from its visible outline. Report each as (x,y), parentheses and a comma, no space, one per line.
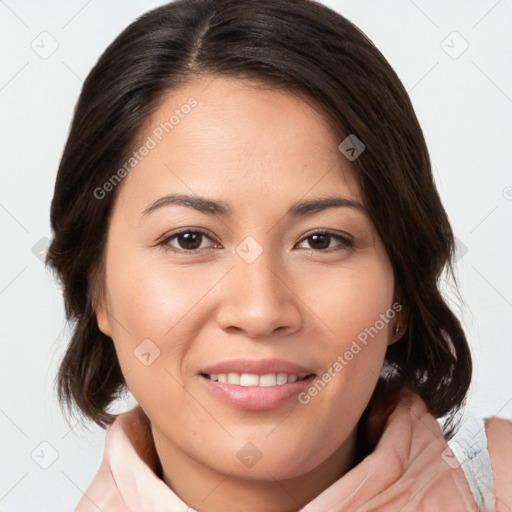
(411,468)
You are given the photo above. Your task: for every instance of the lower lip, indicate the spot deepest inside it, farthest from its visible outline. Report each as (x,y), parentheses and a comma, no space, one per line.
(257,398)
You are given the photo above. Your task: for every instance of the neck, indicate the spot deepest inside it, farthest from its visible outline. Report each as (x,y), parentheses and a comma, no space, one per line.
(208,490)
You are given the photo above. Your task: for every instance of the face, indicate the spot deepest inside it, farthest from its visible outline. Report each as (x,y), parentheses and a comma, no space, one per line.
(249,275)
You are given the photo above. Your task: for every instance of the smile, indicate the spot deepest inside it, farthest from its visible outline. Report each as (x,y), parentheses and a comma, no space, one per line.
(270,391)
(251,379)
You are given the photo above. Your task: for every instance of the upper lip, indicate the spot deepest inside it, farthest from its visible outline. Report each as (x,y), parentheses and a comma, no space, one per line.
(258,367)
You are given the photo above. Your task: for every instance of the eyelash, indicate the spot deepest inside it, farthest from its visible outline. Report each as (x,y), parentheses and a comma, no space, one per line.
(345,241)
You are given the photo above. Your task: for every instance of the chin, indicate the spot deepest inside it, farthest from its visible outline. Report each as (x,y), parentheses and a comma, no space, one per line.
(268,463)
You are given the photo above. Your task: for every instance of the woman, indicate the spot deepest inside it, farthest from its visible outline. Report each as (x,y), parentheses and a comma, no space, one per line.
(250,240)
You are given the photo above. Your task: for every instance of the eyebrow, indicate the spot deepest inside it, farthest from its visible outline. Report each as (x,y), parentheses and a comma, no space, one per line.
(214,207)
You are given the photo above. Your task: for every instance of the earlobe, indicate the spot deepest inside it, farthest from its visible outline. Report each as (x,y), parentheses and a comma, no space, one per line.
(102,318)
(397,331)
(103,323)
(99,298)
(398,328)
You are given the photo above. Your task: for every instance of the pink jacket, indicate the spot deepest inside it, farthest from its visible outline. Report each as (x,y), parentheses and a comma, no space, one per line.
(411,469)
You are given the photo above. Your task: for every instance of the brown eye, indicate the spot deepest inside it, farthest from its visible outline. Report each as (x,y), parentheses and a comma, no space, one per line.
(188,240)
(321,241)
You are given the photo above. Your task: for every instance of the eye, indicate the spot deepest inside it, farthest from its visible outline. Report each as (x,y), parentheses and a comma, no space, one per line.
(191,241)
(187,240)
(321,241)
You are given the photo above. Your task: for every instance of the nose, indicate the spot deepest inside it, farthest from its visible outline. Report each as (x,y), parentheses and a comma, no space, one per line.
(258,299)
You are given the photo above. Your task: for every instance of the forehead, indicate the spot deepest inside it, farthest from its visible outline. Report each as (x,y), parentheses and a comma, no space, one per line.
(227,136)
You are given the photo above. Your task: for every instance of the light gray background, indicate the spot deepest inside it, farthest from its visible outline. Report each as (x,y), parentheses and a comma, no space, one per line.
(463,102)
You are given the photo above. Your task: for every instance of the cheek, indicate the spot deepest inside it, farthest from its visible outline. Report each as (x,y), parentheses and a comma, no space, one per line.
(356,314)
(350,301)
(150,298)
(158,311)
(148,327)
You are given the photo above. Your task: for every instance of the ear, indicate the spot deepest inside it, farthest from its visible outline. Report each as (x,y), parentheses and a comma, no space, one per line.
(101,309)
(102,317)
(99,298)
(399,324)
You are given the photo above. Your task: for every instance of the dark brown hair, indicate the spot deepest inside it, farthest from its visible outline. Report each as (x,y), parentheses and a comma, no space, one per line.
(303,47)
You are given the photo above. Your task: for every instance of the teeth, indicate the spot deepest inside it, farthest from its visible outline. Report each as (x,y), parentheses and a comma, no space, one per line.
(233,378)
(246,379)
(251,379)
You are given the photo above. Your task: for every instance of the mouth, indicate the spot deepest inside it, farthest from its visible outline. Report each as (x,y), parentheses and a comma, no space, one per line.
(252,392)
(253,379)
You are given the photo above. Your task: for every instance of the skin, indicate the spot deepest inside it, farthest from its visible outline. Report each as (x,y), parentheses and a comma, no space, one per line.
(301,300)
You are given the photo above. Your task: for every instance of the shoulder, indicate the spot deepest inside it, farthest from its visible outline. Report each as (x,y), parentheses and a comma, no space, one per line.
(481,446)
(499,444)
